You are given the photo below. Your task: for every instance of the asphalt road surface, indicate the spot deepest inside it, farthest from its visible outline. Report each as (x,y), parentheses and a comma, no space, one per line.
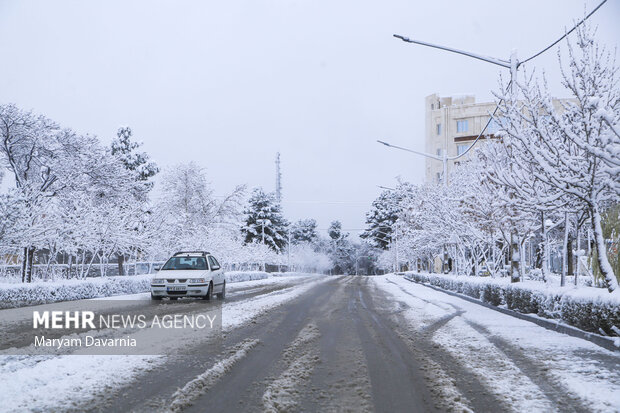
(345,345)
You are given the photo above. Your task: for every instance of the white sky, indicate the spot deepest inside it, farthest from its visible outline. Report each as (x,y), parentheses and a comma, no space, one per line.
(227,84)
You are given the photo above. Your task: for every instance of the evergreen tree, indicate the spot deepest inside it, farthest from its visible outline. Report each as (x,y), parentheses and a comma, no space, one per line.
(342,251)
(381,218)
(138,163)
(335,231)
(126,150)
(304,230)
(264,222)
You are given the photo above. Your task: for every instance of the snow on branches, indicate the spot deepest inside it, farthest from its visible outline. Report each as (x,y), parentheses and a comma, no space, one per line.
(556,166)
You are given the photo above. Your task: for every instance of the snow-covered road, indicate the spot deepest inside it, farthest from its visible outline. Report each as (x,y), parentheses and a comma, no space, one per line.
(519,363)
(318,343)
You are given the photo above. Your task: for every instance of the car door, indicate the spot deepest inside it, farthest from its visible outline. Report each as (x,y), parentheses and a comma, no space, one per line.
(218,273)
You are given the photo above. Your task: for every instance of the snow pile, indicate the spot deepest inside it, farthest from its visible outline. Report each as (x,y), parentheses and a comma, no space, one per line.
(590,309)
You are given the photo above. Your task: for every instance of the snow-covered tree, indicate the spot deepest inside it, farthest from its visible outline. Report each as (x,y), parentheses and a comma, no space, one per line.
(381,218)
(340,249)
(305,257)
(264,221)
(187,210)
(50,164)
(304,231)
(574,147)
(126,150)
(138,163)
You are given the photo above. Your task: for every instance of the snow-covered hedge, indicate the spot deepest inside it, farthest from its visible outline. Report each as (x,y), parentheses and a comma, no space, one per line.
(590,309)
(21,295)
(238,276)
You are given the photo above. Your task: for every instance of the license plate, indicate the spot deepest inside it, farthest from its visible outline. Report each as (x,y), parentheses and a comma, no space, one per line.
(177,288)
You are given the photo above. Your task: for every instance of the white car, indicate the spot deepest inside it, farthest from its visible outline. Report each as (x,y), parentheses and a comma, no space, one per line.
(189,274)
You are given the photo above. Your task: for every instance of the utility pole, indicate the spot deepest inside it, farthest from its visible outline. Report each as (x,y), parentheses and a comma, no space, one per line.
(289,250)
(396,246)
(262,221)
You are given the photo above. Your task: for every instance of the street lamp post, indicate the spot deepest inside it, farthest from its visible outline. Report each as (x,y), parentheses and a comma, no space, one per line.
(393,242)
(288,247)
(262,222)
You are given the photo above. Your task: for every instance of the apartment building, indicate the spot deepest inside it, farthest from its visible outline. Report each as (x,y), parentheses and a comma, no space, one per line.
(452,124)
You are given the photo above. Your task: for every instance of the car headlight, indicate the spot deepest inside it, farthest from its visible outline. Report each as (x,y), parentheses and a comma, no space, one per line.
(196,280)
(158,281)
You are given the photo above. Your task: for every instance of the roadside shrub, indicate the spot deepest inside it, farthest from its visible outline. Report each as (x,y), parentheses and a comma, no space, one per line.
(492,294)
(589,309)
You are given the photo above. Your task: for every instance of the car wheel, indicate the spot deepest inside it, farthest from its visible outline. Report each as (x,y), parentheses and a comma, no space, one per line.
(222,295)
(156,297)
(174,298)
(209,293)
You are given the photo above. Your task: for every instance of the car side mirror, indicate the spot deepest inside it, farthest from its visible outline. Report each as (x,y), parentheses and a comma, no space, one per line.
(215,268)
(157,267)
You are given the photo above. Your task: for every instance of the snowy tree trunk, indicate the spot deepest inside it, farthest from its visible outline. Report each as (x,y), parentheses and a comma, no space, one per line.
(90,264)
(606,270)
(565,250)
(522,260)
(101,265)
(24,264)
(121,260)
(545,249)
(27,264)
(578,254)
(135,263)
(571,258)
(514,258)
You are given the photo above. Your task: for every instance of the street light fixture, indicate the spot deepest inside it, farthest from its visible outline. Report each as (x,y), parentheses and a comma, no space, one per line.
(394,241)
(444,158)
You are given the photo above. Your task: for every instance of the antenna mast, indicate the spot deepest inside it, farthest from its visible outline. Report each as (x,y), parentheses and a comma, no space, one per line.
(278,179)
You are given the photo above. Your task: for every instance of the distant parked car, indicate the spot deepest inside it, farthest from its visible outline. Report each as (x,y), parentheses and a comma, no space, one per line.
(483,271)
(189,274)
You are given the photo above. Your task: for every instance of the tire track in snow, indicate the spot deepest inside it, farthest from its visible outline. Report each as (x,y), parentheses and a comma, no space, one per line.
(195,388)
(302,355)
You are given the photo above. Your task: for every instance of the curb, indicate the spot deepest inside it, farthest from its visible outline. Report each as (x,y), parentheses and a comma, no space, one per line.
(601,341)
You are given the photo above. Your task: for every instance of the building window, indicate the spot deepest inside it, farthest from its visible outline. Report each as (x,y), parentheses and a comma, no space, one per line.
(439,152)
(432,106)
(462,126)
(438,177)
(460,149)
(493,127)
(439,129)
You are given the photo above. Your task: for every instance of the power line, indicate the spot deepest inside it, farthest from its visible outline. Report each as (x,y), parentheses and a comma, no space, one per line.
(565,34)
(499,62)
(330,202)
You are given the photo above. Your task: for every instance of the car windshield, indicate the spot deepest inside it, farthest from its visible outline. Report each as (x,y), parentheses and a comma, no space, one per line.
(185,263)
